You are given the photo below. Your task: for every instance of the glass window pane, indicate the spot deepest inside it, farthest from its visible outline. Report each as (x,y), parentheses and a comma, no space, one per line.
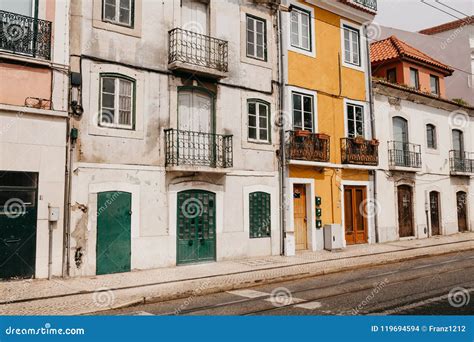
(252,108)
(252,121)
(263,110)
(350,128)
(308,104)
(109,11)
(252,133)
(124,16)
(125,4)
(308,121)
(263,134)
(108,85)
(297,101)
(108,100)
(297,119)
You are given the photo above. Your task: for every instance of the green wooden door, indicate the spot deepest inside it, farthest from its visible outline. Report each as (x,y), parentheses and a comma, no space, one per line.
(18,215)
(196,226)
(113,232)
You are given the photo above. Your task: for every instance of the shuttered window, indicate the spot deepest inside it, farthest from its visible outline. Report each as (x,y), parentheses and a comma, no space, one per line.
(116,102)
(259,212)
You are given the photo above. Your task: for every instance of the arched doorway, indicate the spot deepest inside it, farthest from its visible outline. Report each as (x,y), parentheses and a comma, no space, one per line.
(435,213)
(461,203)
(405,211)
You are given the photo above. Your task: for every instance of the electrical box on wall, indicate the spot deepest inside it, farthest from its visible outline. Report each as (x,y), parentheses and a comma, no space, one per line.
(318,212)
(319,224)
(318,201)
(53,215)
(333,237)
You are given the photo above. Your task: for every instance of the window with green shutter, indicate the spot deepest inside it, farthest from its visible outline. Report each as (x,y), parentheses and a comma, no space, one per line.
(259,212)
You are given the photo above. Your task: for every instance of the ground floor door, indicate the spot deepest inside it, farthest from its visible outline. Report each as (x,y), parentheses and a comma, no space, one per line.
(196,226)
(355,223)
(114,210)
(18,217)
(300,217)
(405,211)
(434,213)
(461,200)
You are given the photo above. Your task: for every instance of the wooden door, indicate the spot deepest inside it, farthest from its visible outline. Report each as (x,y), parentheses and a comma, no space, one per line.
(461,201)
(355,224)
(300,217)
(434,213)
(194,16)
(405,211)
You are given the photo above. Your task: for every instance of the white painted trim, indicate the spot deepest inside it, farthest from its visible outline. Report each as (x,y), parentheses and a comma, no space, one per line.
(344,10)
(310,209)
(312,20)
(314,94)
(362,48)
(367,128)
(21,110)
(83,165)
(370,220)
(332,165)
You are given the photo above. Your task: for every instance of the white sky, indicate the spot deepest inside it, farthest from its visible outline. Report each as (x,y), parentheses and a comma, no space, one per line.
(414,15)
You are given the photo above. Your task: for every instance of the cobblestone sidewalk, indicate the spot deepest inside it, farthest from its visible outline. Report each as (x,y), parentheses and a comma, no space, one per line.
(87,295)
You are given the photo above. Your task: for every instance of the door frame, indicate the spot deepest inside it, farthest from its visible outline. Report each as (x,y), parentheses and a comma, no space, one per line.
(369,196)
(466,191)
(173,190)
(416,235)
(94,190)
(440,210)
(310,212)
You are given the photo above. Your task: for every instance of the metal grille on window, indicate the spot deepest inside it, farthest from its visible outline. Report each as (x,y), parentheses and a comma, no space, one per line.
(259,212)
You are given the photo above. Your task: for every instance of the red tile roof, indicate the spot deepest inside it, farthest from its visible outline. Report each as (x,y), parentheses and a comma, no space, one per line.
(393,48)
(448,26)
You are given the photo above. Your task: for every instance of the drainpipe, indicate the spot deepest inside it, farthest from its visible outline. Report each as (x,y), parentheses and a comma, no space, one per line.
(427,214)
(373,132)
(50,245)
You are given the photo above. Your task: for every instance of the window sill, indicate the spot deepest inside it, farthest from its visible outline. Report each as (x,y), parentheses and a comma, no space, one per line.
(105,25)
(353,66)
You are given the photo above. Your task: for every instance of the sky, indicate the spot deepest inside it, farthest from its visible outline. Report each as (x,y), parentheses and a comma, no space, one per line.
(414,15)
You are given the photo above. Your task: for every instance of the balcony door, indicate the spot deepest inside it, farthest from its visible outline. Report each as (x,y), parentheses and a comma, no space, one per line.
(195,16)
(355,223)
(458,148)
(400,138)
(195,108)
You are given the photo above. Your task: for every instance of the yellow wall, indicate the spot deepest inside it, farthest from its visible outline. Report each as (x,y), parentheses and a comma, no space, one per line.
(323,74)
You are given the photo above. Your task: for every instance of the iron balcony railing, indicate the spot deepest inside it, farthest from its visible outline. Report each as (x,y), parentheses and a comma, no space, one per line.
(370,4)
(404,154)
(359,151)
(461,161)
(198,49)
(25,35)
(304,145)
(198,149)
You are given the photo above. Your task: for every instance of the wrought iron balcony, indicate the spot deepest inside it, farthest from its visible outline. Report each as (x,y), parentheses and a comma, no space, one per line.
(307,146)
(369,4)
(196,52)
(404,154)
(198,149)
(461,162)
(359,151)
(24,35)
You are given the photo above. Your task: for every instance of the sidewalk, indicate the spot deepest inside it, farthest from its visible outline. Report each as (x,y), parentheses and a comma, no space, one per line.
(91,294)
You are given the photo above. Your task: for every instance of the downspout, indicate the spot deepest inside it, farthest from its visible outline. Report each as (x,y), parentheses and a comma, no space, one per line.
(373,132)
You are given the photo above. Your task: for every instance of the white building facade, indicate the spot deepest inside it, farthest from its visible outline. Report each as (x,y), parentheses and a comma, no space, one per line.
(175,160)
(424,188)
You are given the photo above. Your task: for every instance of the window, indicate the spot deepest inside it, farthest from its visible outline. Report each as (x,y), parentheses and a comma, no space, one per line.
(414,80)
(116,102)
(258,116)
(300,29)
(259,214)
(431,136)
(392,75)
(256,38)
(434,84)
(118,12)
(355,120)
(351,46)
(302,112)
(458,141)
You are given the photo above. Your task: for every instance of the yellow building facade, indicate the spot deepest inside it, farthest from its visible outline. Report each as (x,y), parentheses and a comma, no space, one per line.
(330,147)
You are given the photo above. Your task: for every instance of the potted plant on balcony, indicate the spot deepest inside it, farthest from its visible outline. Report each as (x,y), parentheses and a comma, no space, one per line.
(302,133)
(374,142)
(323,136)
(359,140)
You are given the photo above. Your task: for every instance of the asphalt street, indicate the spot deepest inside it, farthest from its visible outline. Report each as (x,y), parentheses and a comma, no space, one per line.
(442,285)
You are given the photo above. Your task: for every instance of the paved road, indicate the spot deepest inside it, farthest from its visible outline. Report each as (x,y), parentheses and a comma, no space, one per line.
(442,285)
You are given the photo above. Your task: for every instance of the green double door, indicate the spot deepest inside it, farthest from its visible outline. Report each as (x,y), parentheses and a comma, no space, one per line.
(113,248)
(196,226)
(18,217)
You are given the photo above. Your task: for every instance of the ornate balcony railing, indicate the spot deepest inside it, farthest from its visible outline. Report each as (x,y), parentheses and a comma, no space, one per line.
(198,149)
(370,4)
(25,35)
(359,151)
(461,161)
(197,49)
(304,145)
(404,154)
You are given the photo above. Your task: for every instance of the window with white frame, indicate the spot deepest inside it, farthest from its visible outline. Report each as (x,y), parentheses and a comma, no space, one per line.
(116,102)
(355,120)
(118,11)
(300,29)
(303,110)
(351,45)
(256,38)
(258,120)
